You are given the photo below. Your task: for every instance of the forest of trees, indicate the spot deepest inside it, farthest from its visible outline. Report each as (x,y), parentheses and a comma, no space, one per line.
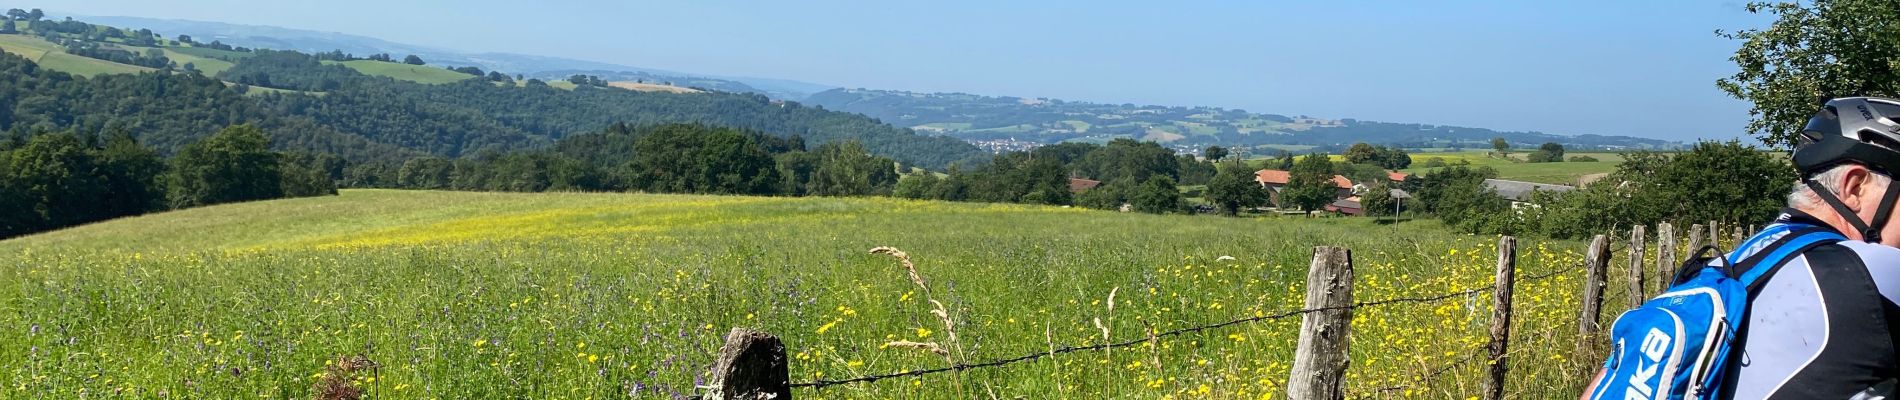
(290,70)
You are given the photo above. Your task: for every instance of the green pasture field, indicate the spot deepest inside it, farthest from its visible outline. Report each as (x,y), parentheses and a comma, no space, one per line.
(1563,173)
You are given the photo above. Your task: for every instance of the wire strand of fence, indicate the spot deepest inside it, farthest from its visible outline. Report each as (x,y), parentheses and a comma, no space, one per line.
(1425,380)
(820,384)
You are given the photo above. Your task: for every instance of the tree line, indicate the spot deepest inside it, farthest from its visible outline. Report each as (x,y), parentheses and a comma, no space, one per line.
(1712,181)
(1143,175)
(59,179)
(55,180)
(671,158)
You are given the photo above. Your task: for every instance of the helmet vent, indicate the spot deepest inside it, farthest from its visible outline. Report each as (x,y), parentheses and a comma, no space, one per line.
(1876,138)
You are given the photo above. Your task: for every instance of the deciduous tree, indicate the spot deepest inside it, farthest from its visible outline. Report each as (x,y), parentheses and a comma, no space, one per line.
(1310,184)
(1813,50)
(1214,153)
(1234,188)
(235,164)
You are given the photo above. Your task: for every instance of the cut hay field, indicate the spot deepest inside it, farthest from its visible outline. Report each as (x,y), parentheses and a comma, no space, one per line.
(207,52)
(210,66)
(650,87)
(87,67)
(574,296)
(27,46)
(413,73)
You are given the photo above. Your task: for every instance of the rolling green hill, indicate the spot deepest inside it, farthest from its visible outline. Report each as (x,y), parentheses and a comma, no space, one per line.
(586,295)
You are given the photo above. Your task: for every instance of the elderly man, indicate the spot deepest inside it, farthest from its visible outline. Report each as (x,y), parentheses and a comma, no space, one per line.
(1817,325)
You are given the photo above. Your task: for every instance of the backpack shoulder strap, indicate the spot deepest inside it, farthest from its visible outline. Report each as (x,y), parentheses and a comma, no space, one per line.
(1760,265)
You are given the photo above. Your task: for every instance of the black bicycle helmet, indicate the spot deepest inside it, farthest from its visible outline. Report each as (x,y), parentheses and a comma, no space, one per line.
(1860,130)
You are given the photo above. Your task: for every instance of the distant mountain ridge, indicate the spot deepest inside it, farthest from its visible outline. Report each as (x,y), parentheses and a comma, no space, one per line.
(309,41)
(1015,122)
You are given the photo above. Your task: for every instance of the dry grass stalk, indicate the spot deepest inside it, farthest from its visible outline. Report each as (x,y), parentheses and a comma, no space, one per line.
(949,328)
(1154,347)
(942,313)
(1111,318)
(904,258)
(932,347)
(1049,333)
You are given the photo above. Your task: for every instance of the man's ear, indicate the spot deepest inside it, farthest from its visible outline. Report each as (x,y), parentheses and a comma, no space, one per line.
(1854,188)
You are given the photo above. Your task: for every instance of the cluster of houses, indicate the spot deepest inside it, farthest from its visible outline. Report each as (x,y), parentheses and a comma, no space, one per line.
(1347,196)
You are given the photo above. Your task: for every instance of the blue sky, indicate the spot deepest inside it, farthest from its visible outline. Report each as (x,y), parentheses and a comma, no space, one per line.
(1641,68)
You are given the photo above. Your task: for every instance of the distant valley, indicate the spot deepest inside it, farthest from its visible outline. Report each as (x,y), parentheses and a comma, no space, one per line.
(1014,123)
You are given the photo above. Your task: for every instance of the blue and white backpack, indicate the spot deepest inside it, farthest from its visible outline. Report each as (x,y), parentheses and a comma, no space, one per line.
(1675,345)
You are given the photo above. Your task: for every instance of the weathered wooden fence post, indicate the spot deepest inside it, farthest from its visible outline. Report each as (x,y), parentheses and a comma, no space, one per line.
(1501,318)
(1739,236)
(1596,265)
(1665,256)
(1636,291)
(1715,234)
(1695,239)
(751,365)
(1320,361)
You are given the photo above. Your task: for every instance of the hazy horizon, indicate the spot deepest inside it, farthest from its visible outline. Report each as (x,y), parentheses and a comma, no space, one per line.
(1621,68)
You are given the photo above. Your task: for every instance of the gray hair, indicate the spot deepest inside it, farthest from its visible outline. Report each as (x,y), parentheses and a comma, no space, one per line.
(1803,198)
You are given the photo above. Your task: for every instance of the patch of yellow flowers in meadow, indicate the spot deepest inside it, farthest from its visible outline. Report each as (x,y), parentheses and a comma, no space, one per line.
(1404,350)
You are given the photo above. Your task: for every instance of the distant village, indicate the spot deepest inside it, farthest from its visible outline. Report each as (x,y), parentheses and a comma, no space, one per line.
(1347,198)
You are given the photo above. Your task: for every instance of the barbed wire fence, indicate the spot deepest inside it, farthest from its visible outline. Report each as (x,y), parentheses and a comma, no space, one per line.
(1595,265)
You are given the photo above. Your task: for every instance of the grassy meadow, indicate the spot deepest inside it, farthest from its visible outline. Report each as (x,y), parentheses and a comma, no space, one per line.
(1563,173)
(575,296)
